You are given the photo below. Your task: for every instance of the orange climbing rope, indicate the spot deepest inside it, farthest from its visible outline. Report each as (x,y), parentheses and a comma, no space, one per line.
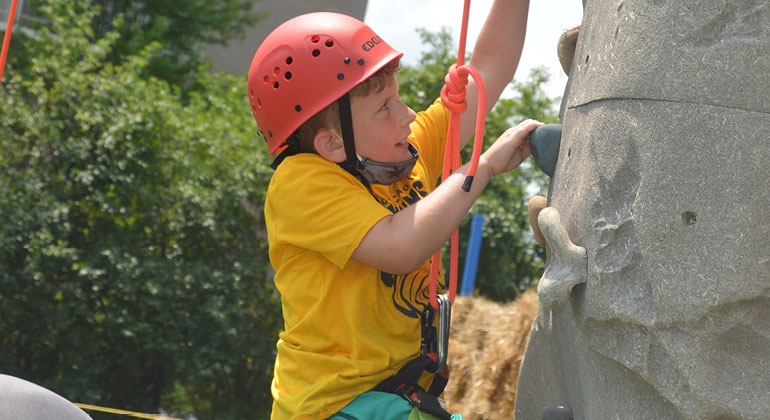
(453,97)
(7,37)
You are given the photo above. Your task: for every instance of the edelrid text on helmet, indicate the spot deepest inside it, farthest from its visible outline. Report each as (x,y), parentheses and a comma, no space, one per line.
(368,45)
(306,64)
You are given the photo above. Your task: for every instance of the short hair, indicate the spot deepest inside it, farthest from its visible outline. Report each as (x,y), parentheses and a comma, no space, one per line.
(329,117)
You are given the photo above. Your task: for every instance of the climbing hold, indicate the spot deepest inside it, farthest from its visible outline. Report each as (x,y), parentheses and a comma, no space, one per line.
(535,205)
(566,47)
(559,412)
(544,143)
(566,262)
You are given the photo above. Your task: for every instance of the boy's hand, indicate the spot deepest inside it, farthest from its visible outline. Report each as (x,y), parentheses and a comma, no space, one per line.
(510,149)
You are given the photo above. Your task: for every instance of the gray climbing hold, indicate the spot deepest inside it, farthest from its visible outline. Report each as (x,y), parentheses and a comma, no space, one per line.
(566,262)
(544,144)
(559,412)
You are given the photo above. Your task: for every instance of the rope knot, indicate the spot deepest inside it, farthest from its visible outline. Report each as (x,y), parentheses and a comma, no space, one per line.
(453,92)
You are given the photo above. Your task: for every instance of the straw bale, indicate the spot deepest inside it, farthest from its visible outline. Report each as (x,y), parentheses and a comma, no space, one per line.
(486,347)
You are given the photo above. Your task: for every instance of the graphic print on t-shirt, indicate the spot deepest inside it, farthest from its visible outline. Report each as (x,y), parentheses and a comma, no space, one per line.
(403,196)
(410,291)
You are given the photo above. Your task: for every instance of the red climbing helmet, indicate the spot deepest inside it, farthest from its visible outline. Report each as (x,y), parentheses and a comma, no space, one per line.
(306,64)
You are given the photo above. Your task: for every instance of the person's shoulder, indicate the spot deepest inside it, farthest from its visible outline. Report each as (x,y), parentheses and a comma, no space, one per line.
(303,165)
(305,161)
(307,171)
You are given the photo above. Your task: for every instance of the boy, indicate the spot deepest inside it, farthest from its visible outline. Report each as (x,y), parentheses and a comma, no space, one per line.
(353,213)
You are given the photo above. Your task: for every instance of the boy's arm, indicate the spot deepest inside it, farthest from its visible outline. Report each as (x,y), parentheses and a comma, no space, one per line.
(401,243)
(495,55)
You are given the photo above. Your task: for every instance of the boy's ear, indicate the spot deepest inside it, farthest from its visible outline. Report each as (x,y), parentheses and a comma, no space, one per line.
(329,146)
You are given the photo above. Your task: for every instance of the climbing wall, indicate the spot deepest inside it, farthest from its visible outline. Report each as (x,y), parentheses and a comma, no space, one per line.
(663,179)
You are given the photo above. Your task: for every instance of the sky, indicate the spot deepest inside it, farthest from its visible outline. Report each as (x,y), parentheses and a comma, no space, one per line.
(547,20)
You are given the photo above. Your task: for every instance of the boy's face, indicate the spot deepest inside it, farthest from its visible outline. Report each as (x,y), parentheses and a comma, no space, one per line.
(381,124)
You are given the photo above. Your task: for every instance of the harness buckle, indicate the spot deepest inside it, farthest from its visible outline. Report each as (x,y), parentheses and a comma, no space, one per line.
(436,345)
(428,342)
(444,318)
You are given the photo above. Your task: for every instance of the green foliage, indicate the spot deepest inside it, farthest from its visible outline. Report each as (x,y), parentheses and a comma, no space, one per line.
(420,85)
(133,261)
(181,29)
(510,258)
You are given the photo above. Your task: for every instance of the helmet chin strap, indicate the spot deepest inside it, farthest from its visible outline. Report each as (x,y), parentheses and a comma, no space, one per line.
(348,140)
(367,170)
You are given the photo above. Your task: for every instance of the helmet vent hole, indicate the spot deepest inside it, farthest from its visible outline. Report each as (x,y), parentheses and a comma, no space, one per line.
(316,53)
(315,39)
(253,108)
(277,71)
(287,75)
(275,85)
(259,103)
(297,108)
(329,43)
(360,61)
(289,60)
(340,76)
(251,92)
(266,79)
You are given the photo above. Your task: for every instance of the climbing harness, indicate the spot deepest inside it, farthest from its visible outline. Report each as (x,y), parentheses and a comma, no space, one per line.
(7,37)
(405,384)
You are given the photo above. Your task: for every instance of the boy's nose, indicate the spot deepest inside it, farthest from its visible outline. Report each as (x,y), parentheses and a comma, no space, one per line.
(408,116)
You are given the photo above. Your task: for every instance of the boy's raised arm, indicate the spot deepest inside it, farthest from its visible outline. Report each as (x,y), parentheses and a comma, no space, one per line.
(495,55)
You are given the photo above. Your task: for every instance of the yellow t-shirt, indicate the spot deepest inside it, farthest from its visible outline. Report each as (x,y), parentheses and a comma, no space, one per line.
(347,326)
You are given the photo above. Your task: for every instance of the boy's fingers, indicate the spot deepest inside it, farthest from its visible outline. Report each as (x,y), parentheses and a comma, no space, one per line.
(523,129)
(521,132)
(530,122)
(530,125)
(525,150)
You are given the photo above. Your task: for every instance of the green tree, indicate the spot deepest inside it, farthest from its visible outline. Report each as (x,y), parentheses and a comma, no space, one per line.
(181,28)
(133,261)
(510,259)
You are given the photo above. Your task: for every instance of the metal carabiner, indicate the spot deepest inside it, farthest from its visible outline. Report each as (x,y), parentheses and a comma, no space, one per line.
(444,318)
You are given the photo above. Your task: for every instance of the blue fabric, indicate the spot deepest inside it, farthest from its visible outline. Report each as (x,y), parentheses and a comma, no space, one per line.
(375,405)
(382,406)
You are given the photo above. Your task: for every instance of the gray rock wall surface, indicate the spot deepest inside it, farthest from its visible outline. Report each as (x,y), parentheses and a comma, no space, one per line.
(664,178)
(23,400)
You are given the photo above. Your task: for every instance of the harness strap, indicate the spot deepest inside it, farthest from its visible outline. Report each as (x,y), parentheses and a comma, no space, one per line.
(404,383)
(427,403)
